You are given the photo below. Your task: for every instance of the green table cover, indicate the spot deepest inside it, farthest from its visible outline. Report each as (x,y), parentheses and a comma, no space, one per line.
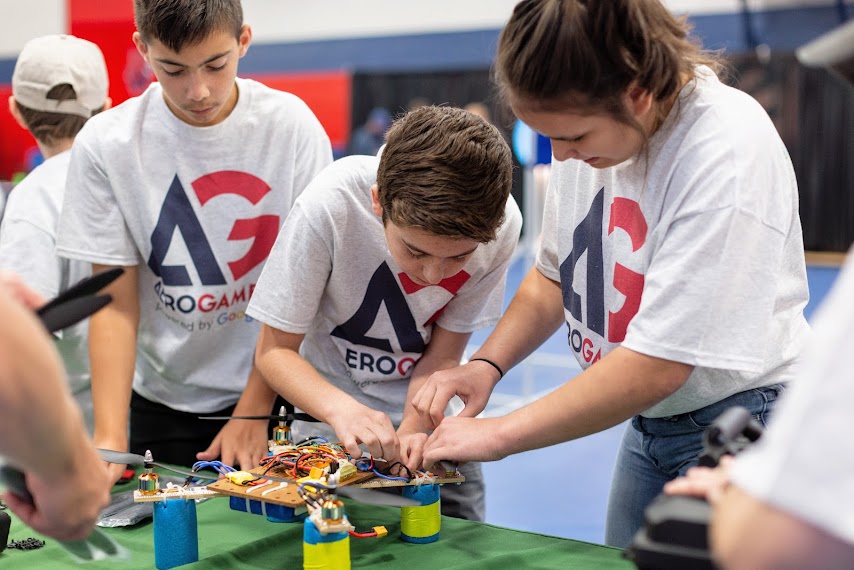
(232,539)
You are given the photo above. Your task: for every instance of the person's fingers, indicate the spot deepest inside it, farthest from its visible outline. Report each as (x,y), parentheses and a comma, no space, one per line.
(390,441)
(114,472)
(351,444)
(422,399)
(211,453)
(24,509)
(434,451)
(472,408)
(375,445)
(440,401)
(414,456)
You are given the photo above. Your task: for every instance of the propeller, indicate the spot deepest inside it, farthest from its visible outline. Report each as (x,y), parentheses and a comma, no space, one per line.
(85,287)
(281,416)
(71,312)
(78,301)
(125,458)
(372,497)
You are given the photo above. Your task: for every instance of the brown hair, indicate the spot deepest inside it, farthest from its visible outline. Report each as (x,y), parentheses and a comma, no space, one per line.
(49,128)
(446,171)
(555,54)
(179,23)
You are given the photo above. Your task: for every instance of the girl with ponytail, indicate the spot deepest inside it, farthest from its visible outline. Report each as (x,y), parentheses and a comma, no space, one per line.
(671,250)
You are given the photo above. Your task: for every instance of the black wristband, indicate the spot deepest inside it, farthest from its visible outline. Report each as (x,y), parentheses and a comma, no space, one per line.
(491,363)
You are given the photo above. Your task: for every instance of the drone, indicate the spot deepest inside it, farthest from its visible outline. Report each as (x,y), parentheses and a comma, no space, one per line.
(295,483)
(288,483)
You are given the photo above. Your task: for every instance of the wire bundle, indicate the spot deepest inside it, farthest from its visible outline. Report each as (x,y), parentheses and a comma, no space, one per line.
(298,462)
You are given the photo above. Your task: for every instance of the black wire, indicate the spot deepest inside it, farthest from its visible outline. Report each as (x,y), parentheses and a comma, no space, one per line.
(405,468)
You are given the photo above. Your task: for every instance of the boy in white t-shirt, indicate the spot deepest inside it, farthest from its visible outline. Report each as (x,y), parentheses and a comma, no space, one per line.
(382,271)
(186,187)
(59,82)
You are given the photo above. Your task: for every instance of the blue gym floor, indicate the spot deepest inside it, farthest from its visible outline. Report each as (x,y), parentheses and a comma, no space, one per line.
(578,472)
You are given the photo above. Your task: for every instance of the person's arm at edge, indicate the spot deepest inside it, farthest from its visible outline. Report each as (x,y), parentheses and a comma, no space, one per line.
(289,374)
(619,386)
(444,351)
(112,357)
(534,314)
(43,430)
(748,533)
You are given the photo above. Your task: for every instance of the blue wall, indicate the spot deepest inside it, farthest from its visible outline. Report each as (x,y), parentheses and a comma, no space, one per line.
(782,30)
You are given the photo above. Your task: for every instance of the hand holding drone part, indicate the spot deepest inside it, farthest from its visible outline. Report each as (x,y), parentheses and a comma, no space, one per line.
(94,546)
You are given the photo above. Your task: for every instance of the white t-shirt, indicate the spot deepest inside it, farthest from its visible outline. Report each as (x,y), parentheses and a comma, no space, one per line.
(694,254)
(28,247)
(197,209)
(330,276)
(798,465)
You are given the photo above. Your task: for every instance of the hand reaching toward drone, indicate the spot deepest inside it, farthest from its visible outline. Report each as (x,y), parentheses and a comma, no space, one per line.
(462,440)
(64,475)
(411,448)
(238,442)
(356,424)
(65,505)
(472,382)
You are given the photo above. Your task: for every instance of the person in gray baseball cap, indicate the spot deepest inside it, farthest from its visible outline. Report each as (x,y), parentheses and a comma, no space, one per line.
(59,82)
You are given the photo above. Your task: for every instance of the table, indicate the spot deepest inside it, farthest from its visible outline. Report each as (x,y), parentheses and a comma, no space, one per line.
(235,540)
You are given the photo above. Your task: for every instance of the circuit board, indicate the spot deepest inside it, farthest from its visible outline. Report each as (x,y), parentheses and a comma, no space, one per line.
(175,492)
(286,494)
(275,492)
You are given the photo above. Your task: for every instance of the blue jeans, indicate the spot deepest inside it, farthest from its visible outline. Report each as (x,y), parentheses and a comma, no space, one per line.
(655,450)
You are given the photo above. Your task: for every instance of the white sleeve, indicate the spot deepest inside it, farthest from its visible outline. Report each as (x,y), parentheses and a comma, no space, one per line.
(547,257)
(315,154)
(710,291)
(709,294)
(30,252)
(287,295)
(798,465)
(92,226)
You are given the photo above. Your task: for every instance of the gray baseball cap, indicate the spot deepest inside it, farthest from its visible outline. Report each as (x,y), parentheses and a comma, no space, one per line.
(48,61)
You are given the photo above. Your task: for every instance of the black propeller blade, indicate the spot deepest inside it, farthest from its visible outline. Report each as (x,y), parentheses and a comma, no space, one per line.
(72,311)
(78,301)
(282,417)
(85,287)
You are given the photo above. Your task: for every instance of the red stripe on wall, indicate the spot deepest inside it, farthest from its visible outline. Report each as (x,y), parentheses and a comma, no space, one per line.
(99,11)
(17,145)
(328,94)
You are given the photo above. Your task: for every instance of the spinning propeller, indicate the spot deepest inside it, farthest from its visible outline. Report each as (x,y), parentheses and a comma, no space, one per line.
(368,496)
(122,458)
(282,416)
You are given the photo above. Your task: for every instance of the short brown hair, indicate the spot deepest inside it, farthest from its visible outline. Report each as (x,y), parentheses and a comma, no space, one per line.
(49,128)
(179,23)
(554,54)
(446,171)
